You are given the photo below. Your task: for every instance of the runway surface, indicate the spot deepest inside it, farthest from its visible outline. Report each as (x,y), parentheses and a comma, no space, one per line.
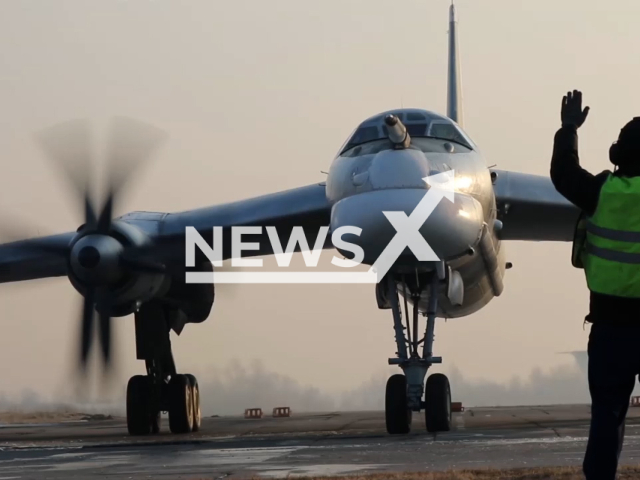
(305,444)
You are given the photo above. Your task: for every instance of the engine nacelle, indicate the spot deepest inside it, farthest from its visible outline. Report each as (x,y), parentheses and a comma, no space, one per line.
(95,262)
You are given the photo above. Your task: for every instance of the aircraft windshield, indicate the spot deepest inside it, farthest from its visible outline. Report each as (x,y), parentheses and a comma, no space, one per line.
(419,123)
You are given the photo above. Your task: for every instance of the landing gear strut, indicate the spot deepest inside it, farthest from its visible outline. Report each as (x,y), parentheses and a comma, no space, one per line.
(162,389)
(404,392)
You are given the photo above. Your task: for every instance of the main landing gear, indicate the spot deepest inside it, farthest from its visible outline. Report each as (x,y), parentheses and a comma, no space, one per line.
(162,389)
(404,391)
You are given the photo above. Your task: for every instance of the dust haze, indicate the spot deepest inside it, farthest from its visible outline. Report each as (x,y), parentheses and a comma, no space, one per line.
(228,390)
(257,97)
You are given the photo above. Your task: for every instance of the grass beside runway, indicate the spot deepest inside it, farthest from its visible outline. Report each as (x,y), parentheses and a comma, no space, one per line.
(557,473)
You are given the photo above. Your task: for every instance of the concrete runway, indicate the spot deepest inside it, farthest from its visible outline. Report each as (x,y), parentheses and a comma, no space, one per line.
(305,444)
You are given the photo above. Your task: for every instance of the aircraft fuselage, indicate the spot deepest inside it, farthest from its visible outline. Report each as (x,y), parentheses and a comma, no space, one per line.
(372,177)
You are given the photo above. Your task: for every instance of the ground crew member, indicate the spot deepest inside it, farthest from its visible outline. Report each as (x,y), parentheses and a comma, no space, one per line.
(610,256)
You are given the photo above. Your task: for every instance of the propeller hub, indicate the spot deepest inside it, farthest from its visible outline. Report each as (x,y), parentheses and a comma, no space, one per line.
(95,259)
(89,257)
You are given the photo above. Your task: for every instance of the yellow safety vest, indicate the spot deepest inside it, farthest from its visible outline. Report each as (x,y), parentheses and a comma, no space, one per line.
(607,244)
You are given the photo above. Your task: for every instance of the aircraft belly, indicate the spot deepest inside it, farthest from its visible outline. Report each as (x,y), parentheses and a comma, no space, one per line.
(477,292)
(479,275)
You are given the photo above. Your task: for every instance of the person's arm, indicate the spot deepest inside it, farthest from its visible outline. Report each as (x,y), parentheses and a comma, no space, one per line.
(575,183)
(571,180)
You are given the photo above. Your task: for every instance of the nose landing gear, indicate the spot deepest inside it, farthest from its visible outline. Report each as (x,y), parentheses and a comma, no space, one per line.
(404,392)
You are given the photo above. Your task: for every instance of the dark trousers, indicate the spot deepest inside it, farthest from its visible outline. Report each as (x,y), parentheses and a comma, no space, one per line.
(614,362)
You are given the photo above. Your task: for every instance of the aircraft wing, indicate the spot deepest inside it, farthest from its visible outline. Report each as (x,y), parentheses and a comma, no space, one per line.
(531,208)
(306,207)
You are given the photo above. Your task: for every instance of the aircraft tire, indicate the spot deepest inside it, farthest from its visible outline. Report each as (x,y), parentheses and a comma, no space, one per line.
(397,413)
(195,396)
(437,398)
(138,419)
(180,405)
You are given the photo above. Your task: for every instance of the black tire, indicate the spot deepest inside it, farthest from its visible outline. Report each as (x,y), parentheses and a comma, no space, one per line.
(180,405)
(195,396)
(397,413)
(138,392)
(437,398)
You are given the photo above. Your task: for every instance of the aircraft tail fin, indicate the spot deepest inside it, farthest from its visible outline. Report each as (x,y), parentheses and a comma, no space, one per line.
(454,87)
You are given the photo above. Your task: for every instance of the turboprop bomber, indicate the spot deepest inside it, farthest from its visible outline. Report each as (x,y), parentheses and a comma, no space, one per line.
(135,264)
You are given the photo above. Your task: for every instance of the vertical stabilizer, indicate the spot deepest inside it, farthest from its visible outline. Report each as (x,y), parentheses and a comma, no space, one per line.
(454,89)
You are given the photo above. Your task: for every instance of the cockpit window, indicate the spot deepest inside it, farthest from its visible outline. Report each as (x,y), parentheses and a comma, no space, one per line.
(419,124)
(415,116)
(447,131)
(369,148)
(417,129)
(365,134)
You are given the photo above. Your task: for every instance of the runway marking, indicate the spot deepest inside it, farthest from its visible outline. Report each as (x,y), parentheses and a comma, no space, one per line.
(33,425)
(71,455)
(92,460)
(521,441)
(315,470)
(32,447)
(234,456)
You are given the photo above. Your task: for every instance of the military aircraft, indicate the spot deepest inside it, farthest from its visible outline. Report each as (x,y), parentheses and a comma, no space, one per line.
(135,264)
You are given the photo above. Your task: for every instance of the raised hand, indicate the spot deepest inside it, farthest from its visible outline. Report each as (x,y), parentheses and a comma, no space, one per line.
(572,112)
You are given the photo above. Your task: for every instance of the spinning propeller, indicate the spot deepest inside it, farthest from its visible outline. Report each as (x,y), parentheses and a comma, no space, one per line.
(97,257)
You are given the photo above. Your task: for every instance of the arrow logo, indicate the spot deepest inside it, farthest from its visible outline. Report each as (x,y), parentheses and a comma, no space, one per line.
(407,228)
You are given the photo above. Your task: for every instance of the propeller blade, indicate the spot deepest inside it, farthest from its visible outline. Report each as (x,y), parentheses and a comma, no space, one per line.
(104,222)
(105,338)
(68,145)
(89,213)
(86,326)
(131,143)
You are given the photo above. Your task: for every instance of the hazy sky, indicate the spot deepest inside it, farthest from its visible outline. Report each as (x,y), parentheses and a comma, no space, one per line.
(257,97)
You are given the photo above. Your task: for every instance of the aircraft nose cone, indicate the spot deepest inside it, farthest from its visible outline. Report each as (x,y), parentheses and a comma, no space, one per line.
(89,257)
(450,229)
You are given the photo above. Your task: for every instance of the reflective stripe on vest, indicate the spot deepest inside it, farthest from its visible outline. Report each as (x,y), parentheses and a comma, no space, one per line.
(610,234)
(611,256)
